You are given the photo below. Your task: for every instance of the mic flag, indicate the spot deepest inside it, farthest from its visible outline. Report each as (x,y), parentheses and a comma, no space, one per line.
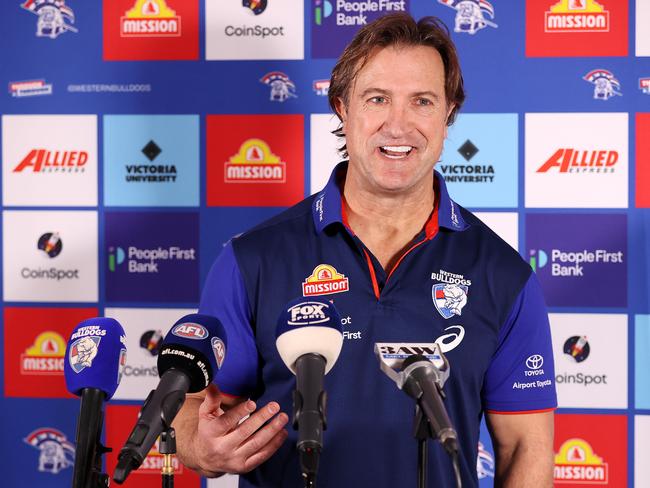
(195,345)
(309,326)
(95,356)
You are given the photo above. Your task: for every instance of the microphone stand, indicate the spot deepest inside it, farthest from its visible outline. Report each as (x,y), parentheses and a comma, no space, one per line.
(168,449)
(422,432)
(93,423)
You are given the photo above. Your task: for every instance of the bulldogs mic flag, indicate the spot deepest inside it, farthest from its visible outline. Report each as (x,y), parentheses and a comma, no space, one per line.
(94,360)
(423,371)
(309,340)
(191,353)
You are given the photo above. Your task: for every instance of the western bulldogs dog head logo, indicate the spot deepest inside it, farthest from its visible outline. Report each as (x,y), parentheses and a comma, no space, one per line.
(54,17)
(282,87)
(83,352)
(605,84)
(449,299)
(470,15)
(56,452)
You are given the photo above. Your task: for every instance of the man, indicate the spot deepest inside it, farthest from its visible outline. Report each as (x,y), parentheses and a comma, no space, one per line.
(386,227)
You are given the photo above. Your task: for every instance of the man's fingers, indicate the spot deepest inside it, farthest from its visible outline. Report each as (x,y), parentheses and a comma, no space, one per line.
(254,422)
(266,452)
(231,418)
(211,404)
(263,436)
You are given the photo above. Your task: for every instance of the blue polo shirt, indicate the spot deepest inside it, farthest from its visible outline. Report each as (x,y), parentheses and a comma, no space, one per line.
(458,284)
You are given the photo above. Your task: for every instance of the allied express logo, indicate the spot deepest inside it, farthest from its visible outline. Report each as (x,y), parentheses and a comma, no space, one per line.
(44,161)
(576,16)
(576,463)
(325,280)
(571,160)
(45,356)
(150,18)
(255,163)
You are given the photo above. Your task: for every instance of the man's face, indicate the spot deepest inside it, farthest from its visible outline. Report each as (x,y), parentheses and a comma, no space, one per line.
(395,119)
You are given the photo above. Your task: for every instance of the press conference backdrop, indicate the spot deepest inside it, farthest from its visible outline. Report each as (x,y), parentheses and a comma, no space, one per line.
(138,136)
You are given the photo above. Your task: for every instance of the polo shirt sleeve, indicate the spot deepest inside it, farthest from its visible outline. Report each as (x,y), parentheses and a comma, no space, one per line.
(224,296)
(521,375)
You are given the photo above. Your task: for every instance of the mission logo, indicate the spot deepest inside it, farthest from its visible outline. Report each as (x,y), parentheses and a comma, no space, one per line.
(325,280)
(35,343)
(560,28)
(119,421)
(642,182)
(255,163)
(590,450)
(151,30)
(255,160)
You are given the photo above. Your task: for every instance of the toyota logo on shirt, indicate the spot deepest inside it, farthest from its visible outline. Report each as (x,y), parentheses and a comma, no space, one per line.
(535,361)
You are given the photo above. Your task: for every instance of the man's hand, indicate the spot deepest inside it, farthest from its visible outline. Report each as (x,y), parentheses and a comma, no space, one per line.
(213,441)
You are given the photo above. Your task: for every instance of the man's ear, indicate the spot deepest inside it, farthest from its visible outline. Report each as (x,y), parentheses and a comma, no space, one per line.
(341,109)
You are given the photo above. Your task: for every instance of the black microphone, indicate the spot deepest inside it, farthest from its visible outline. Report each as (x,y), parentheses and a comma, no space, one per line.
(309,341)
(95,357)
(423,382)
(191,353)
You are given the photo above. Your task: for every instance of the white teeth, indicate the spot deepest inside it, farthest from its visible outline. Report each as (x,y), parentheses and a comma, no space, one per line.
(402,149)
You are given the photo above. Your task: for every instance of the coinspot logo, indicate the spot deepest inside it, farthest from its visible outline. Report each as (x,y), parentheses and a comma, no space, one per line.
(51,244)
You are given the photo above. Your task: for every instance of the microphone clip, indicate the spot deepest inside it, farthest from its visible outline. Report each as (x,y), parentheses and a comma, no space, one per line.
(392,355)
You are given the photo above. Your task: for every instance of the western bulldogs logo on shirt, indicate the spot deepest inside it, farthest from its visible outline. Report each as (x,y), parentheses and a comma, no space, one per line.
(450,296)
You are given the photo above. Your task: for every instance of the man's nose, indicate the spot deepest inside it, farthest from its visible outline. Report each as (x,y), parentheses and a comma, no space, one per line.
(398,120)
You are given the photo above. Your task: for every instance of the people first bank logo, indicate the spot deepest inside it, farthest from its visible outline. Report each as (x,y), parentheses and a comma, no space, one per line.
(576,28)
(150,30)
(255,160)
(335,22)
(580,259)
(154,264)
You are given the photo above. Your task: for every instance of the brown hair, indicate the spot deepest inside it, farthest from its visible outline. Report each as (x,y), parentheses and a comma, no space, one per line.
(390,30)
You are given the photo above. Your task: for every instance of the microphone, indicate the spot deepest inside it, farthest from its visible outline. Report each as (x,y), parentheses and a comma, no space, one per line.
(95,358)
(309,341)
(190,354)
(423,371)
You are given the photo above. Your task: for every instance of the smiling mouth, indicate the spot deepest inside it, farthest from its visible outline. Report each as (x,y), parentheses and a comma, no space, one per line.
(396,152)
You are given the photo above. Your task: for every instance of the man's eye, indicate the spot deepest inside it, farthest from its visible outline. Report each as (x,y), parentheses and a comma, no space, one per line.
(378,99)
(425,102)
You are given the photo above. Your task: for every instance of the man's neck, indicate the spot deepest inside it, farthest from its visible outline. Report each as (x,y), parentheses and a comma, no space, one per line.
(387,223)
